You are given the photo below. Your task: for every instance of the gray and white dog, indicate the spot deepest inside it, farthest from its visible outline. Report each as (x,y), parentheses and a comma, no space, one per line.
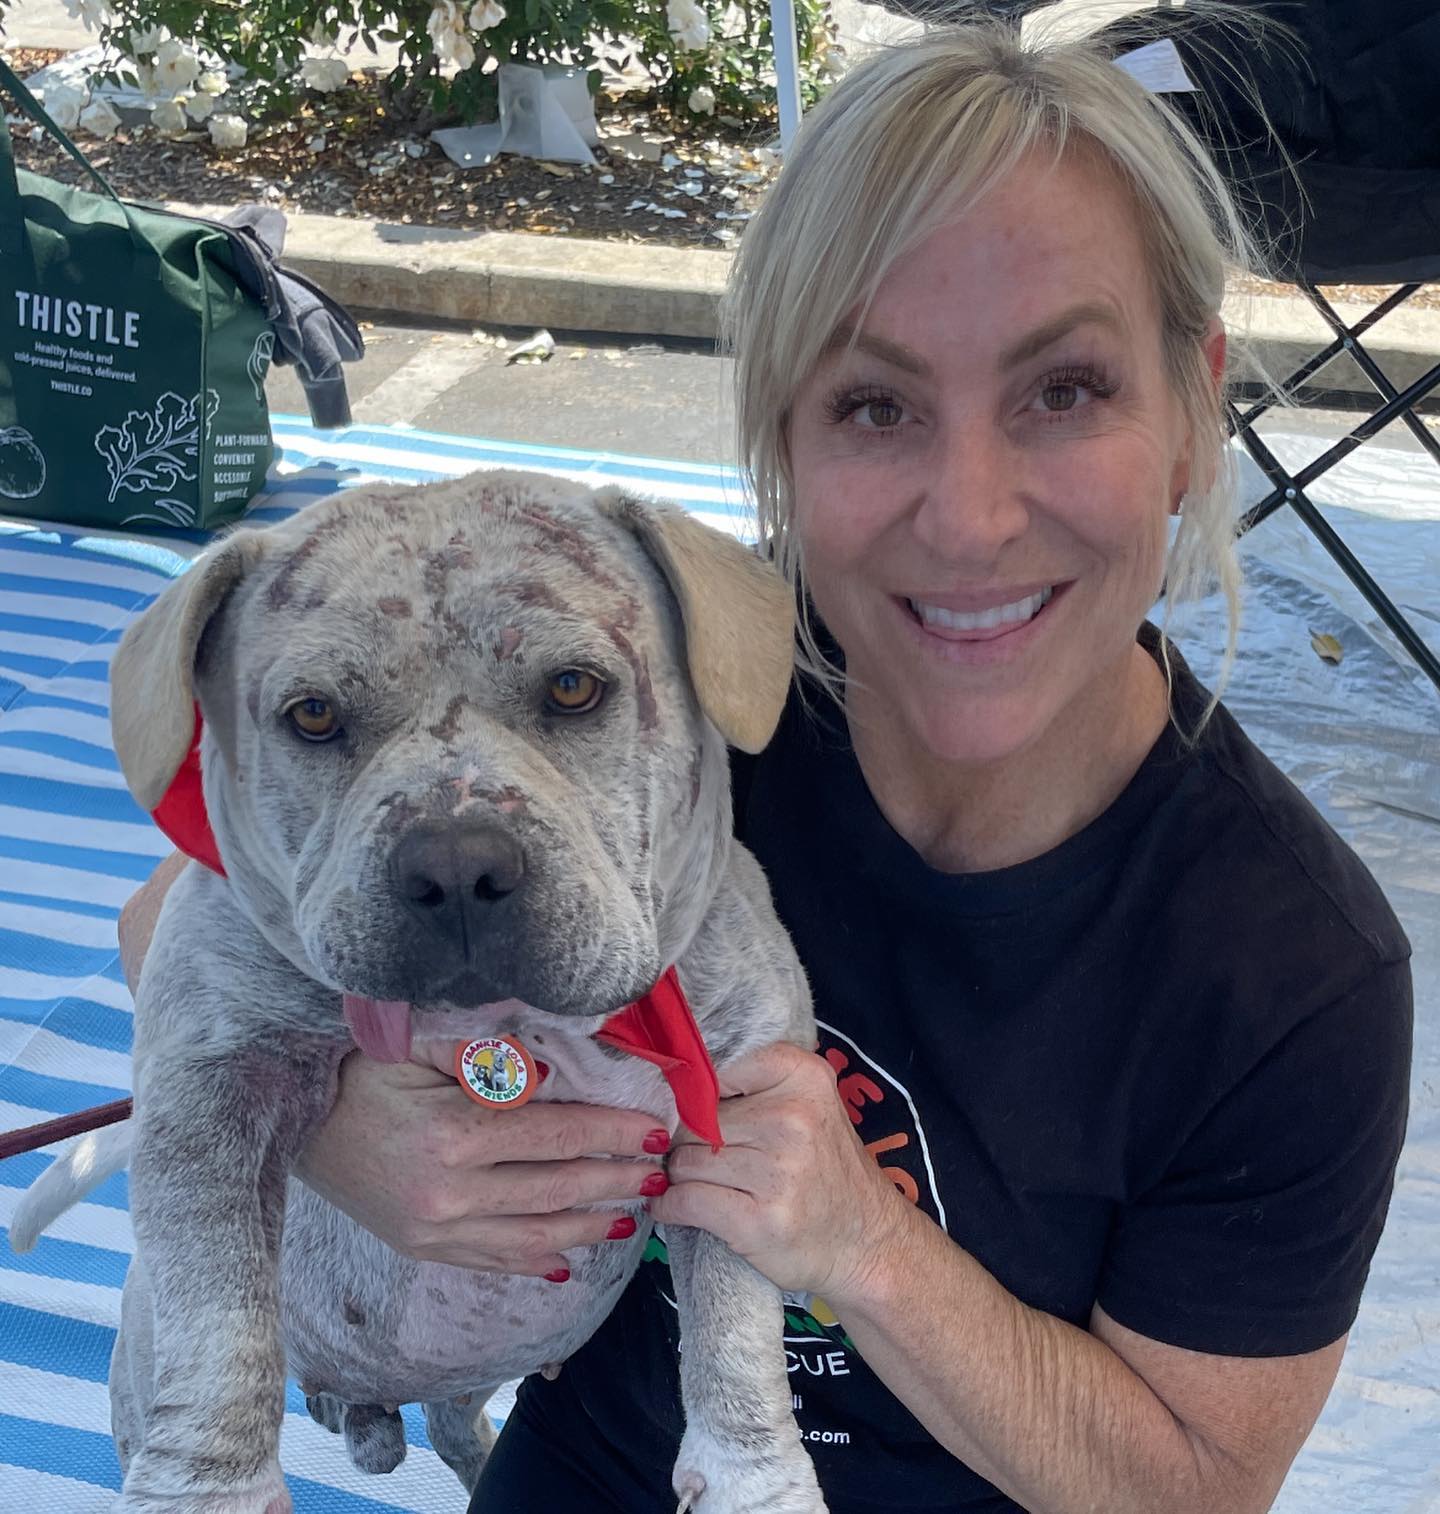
(464,745)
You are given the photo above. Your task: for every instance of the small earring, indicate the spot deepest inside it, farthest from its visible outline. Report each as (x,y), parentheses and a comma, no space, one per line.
(1178,505)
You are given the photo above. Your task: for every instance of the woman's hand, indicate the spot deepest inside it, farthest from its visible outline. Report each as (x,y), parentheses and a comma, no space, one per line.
(793,1191)
(407,1155)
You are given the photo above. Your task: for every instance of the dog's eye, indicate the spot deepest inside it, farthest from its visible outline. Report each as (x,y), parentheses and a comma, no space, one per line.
(573,691)
(314,719)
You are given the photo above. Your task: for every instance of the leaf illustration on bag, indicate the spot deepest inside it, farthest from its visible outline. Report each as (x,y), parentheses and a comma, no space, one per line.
(260,356)
(167,512)
(157,449)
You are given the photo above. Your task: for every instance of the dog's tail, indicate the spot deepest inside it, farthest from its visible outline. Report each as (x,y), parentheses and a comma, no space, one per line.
(83,1165)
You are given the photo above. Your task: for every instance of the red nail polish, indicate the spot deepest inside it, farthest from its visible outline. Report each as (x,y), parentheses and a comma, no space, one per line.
(560,1275)
(657,1143)
(621,1230)
(654,1185)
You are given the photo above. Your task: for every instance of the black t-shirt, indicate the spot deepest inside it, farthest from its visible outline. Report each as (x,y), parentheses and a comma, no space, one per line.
(1162,1067)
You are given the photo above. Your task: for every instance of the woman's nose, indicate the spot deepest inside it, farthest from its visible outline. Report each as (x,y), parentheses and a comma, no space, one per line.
(973,503)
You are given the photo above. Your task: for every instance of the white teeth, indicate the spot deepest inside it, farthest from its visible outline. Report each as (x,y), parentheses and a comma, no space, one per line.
(984,620)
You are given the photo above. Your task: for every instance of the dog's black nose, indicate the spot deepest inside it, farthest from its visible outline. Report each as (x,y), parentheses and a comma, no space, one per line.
(449,872)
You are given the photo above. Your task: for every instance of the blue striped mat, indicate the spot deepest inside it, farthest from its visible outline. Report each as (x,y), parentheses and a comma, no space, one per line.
(73,846)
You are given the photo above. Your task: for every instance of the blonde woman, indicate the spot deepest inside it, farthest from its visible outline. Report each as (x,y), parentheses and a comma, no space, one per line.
(1119,1028)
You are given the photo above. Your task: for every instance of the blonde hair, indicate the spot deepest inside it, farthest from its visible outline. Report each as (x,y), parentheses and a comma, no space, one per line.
(907,141)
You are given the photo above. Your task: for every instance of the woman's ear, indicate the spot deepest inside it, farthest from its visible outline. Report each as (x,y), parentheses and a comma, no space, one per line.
(1214,345)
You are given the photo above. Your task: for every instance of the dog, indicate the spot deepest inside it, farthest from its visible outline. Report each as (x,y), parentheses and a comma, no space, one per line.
(464,758)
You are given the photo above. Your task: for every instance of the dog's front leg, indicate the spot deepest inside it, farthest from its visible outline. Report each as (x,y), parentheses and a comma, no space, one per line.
(741,1453)
(210,1247)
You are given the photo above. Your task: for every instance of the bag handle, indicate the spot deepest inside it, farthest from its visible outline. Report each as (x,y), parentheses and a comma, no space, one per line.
(15,87)
(12,227)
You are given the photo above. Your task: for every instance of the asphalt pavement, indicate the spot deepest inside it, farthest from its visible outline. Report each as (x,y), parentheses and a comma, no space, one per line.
(654,398)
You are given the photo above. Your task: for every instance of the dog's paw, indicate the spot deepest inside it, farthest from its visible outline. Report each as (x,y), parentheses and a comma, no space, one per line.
(713,1478)
(267,1495)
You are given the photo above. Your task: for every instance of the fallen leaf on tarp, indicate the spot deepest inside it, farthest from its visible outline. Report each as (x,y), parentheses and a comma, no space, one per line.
(1327,648)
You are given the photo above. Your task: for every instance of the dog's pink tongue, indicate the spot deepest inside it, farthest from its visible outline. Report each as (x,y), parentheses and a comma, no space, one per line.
(381,1027)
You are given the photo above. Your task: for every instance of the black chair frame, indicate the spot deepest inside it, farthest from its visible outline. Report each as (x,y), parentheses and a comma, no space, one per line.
(1290,489)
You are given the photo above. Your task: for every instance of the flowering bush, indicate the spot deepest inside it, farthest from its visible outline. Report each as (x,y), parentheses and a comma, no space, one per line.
(715,57)
(710,57)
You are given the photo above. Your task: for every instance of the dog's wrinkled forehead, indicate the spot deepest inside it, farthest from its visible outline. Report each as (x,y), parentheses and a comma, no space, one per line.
(473,563)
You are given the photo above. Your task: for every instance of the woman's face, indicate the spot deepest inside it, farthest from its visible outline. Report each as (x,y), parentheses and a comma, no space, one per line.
(981,486)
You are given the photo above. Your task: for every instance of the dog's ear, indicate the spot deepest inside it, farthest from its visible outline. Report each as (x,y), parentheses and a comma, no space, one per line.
(739,616)
(152,676)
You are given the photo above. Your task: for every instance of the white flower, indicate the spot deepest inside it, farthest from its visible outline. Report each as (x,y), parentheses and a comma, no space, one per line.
(100,119)
(324,74)
(447,33)
(168,116)
(322,36)
(228,131)
(702,101)
(486,13)
(177,65)
(689,25)
(92,12)
(448,37)
(199,106)
(63,103)
(145,78)
(212,82)
(146,39)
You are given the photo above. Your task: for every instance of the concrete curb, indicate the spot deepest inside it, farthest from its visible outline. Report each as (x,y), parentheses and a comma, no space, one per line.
(506,278)
(567,283)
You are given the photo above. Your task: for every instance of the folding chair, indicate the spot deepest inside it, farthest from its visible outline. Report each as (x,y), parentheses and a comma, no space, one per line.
(1348,194)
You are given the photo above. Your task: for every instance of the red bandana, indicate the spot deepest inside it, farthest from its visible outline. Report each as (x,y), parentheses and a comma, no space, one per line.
(181,811)
(659,1027)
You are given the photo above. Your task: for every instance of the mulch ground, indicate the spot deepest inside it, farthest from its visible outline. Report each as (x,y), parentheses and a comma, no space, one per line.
(343,156)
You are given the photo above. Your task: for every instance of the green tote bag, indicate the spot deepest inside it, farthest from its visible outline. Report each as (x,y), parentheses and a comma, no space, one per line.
(132,362)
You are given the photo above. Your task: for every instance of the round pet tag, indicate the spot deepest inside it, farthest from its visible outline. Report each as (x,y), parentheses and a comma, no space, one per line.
(496,1072)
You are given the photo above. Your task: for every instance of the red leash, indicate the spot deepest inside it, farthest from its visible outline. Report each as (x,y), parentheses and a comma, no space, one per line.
(32,1137)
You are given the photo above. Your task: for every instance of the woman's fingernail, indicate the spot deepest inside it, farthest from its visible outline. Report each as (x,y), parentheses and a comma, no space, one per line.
(621,1230)
(654,1185)
(560,1275)
(657,1142)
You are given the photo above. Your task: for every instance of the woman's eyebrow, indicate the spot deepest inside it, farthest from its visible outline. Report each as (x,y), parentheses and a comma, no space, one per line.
(1091,313)
(894,353)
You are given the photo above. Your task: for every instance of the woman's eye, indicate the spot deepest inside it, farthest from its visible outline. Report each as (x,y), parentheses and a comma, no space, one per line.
(573,691)
(1073,389)
(871,410)
(314,719)
(882,414)
(1060,396)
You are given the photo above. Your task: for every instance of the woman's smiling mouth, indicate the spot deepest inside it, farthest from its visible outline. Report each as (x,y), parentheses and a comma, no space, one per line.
(985,624)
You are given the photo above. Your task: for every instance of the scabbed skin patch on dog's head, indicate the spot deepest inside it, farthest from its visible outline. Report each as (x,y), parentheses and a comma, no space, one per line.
(431,625)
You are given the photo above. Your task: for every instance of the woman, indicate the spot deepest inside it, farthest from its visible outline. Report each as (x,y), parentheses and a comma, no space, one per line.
(1120,1029)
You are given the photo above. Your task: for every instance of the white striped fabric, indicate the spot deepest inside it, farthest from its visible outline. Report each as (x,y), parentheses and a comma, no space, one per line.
(73,846)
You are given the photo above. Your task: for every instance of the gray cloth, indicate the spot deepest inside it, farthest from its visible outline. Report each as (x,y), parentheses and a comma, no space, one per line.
(312,330)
